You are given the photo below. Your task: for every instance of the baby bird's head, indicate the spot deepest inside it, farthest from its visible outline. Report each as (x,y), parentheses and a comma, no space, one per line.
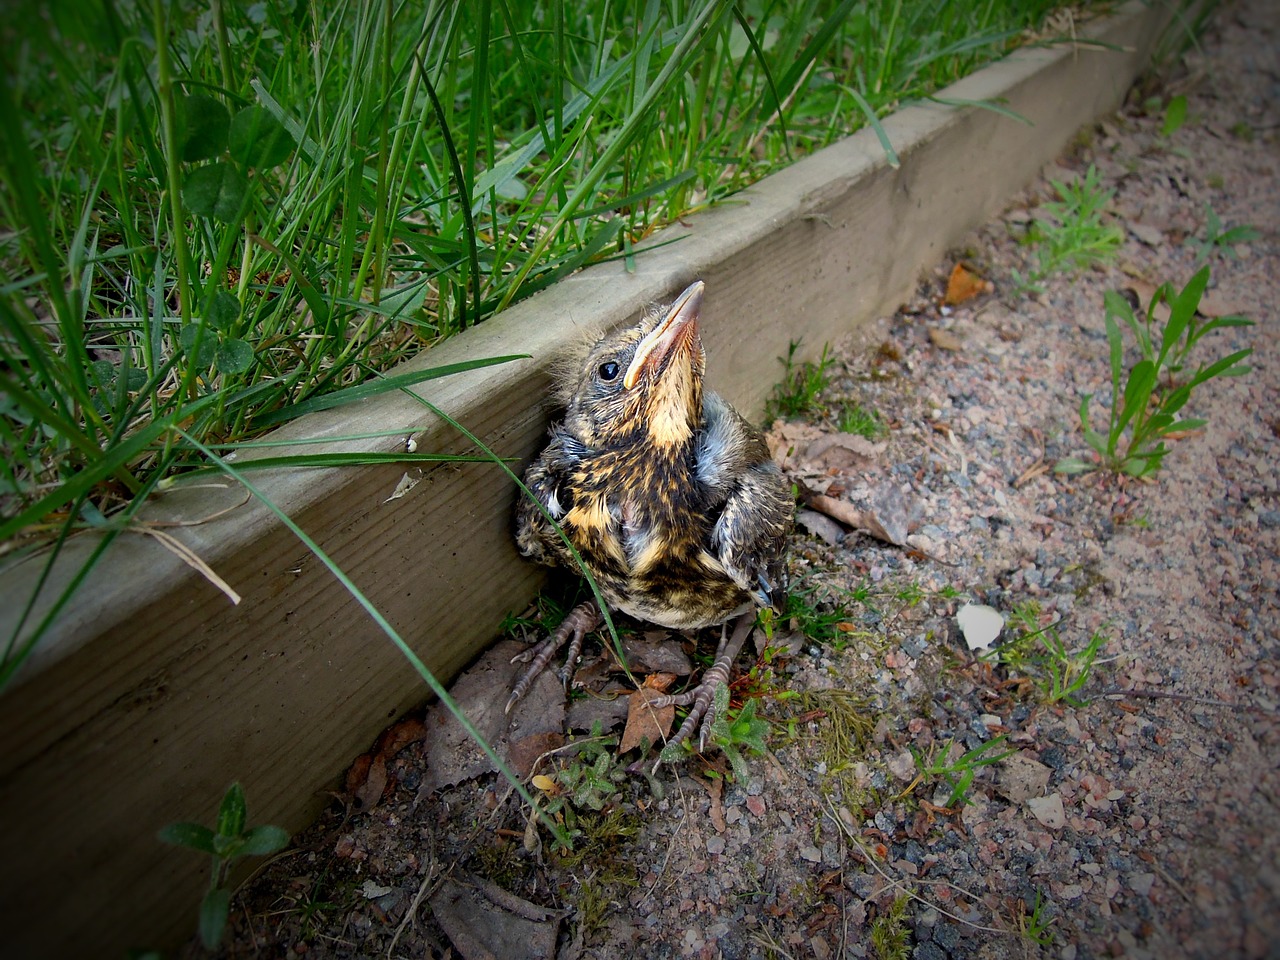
(642,384)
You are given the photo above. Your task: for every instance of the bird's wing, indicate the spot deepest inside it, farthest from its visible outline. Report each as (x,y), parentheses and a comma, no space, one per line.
(536,536)
(749,535)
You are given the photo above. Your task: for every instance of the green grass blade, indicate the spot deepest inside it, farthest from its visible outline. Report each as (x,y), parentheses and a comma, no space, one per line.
(363,391)
(384,625)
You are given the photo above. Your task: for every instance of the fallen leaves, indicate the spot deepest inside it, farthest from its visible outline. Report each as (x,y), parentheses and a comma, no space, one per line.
(519,738)
(647,724)
(1048,810)
(963,285)
(368,775)
(887,513)
(482,921)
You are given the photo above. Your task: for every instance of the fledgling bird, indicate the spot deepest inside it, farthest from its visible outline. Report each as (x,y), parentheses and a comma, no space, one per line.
(668,495)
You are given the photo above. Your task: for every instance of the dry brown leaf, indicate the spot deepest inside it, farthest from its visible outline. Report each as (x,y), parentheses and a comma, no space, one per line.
(660,681)
(842,451)
(784,438)
(840,510)
(963,284)
(367,778)
(523,754)
(645,722)
(479,929)
(715,790)
(482,691)
(357,782)
(887,519)
(662,656)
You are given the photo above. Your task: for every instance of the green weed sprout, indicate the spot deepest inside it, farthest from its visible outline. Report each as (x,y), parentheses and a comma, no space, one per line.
(591,784)
(889,931)
(1077,237)
(227,843)
(1217,240)
(1035,925)
(731,732)
(1040,654)
(864,421)
(960,772)
(1144,407)
(797,394)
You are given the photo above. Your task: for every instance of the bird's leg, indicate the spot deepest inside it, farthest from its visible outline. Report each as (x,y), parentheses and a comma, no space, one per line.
(700,698)
(581,620)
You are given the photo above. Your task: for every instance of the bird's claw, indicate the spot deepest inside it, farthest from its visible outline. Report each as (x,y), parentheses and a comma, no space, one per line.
(701,699)
(581,620)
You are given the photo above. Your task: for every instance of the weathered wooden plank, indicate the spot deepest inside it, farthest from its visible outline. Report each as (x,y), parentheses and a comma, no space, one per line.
(154,693)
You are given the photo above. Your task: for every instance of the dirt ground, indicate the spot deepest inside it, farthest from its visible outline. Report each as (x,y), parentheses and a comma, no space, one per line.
(1141,821)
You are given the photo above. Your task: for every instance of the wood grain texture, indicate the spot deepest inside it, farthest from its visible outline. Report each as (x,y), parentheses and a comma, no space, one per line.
(154,693)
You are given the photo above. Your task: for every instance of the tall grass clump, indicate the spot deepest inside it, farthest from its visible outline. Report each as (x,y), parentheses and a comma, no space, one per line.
(215,214)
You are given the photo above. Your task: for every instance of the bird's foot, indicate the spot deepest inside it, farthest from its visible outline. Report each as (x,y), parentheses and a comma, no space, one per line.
(581,620)
(701,699)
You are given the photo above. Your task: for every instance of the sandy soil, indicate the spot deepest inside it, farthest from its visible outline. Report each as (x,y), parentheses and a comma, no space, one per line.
(1142,822)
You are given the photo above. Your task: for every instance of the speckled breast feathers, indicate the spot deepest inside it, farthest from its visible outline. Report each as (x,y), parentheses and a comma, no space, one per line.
(668,496)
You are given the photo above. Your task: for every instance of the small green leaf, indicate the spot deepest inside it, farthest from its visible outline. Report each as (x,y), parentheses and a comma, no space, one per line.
(202,127)
(224,310)
(233,356)
(1140,466)
(1175,115)
(1182,309)
(1097,442)
(402,301)
(233,812)
(103,372)
(1243,234)
(1137,391)
(1177,399)
(214,909)
(1071,465)
(259,140)
(227,847)
(194,836)
(264,840)
(1226,367)
(208,345)
(216,190)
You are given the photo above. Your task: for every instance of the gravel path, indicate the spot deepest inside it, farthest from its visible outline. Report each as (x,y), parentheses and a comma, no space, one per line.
(1143,823)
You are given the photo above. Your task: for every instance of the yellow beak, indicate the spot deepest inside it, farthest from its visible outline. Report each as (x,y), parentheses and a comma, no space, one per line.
(678,327)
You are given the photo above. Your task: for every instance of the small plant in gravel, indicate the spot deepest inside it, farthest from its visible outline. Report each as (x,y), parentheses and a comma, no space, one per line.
(601,874)
(1175,115)
(801,386)
(847,721)
(587,782)
(1076,236)
(864,421)
(957,773)
(1216,240)
(889,932)
(733,731)
(821,621)
(1144,408)
(1038,653)
(229,841)
(1034,926)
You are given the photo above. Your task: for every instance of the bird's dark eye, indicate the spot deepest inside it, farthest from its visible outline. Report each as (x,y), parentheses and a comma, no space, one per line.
(608,370)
